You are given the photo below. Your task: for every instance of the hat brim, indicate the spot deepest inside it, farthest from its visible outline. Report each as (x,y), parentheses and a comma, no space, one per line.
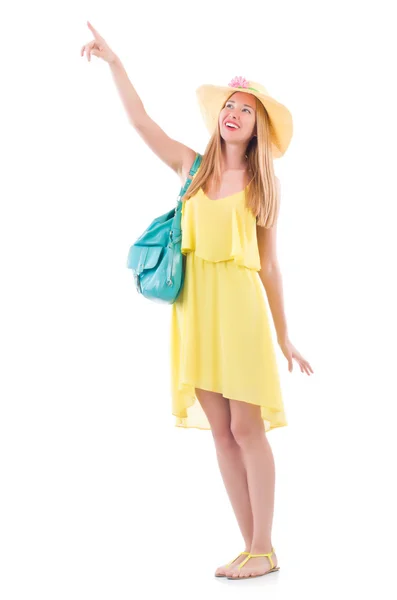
(212,97)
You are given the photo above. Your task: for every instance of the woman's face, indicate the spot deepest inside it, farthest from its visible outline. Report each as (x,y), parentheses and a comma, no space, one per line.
(239,110)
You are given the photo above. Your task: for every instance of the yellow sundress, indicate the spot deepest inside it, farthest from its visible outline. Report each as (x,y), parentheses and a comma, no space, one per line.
(220,335)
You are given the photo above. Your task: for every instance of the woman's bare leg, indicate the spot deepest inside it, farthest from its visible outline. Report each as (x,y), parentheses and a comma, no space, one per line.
(248,430)
(228,452)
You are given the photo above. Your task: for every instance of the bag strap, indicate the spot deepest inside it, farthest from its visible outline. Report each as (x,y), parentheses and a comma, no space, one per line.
(194,167)
(176,231)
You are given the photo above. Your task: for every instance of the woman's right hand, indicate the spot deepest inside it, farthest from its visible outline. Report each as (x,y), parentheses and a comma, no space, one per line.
(98,47)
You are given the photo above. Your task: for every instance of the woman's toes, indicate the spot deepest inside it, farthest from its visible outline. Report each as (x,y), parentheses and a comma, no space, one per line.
(244,574)
(232,573)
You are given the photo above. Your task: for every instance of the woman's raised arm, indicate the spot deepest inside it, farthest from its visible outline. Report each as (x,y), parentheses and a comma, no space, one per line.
(173,153)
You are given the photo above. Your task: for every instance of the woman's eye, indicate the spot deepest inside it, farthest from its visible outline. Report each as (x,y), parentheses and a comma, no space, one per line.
(247,109)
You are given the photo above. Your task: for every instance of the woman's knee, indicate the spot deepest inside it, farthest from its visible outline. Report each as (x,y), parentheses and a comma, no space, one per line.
(246,422)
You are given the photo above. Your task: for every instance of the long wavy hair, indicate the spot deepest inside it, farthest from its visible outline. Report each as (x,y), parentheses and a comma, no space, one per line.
(262,196)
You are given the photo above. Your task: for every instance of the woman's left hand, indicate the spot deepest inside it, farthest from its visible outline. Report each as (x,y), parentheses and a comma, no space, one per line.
(290,352)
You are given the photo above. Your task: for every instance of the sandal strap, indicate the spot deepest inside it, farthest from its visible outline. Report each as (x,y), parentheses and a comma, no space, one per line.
(228,564)
(269,555)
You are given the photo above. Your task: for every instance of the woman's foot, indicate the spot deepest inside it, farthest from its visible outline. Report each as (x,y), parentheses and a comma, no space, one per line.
(222,570)
(254,566)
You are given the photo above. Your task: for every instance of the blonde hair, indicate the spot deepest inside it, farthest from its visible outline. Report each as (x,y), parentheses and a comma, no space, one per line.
(262,195)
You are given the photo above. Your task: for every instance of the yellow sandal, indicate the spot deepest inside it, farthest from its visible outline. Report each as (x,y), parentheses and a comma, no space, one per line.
(269,555)
(232,561)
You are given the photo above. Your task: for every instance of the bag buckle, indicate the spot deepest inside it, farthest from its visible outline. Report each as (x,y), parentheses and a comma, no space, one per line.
(137,282)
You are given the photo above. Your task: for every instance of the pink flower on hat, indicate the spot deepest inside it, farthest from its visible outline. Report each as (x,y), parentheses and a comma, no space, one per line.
(239,82)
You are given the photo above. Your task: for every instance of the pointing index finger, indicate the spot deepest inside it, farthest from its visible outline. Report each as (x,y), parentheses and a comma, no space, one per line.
(94,31)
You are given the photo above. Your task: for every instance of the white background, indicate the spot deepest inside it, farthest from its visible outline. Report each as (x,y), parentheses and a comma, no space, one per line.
(100,493)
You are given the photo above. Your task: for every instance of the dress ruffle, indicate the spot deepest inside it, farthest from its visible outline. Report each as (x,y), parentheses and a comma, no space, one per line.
(219,230)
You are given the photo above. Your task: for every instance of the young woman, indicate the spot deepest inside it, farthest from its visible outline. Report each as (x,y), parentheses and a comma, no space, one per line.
(223,365)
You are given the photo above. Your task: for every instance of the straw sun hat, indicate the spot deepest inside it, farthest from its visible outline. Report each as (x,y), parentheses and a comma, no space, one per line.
(212,97)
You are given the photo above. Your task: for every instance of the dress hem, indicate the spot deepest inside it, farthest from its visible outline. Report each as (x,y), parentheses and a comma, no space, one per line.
(265,420)
(180,426)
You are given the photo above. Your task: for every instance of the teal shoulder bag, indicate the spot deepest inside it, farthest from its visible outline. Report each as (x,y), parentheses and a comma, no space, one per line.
(155,258)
